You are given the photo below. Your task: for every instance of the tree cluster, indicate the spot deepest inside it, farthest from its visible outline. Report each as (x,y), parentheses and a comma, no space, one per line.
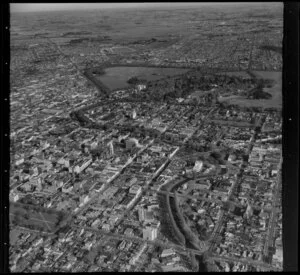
(190,237)
(169,226)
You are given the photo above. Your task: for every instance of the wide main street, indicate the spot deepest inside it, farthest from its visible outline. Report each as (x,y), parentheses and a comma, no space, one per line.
(272,222)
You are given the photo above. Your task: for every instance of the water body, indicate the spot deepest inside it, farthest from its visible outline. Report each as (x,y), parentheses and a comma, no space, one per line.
(242,74)
(117,77)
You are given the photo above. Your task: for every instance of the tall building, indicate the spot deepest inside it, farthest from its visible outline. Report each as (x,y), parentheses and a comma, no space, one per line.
(249,212)
(132,142)
(129,143)
(111,148)
(198,166)
(135,189)
(149,216)
(134,114)
(167,252)
(141,213)
(94,145)
(150,233)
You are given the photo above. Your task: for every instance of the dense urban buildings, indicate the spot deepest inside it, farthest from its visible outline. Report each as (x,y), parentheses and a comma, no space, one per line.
(138,144)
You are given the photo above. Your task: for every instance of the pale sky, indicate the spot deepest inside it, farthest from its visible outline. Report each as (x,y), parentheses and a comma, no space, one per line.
(25,7)
(31,7)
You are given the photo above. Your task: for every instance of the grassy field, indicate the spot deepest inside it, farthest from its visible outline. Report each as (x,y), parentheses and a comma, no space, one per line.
(275,91)
(242,74)
(34,218)
(14,235)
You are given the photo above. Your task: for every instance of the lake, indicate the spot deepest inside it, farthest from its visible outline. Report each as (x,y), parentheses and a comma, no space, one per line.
(241,74)
(117,77)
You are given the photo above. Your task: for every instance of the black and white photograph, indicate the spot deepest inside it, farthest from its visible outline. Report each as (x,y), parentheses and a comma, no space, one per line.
(146,137)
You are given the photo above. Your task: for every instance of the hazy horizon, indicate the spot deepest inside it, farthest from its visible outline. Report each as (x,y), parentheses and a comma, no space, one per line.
(47,7)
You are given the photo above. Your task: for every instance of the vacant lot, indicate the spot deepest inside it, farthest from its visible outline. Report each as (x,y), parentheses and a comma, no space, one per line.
(34,217)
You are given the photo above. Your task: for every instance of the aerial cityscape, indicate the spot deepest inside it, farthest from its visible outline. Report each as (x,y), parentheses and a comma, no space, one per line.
(146,138)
